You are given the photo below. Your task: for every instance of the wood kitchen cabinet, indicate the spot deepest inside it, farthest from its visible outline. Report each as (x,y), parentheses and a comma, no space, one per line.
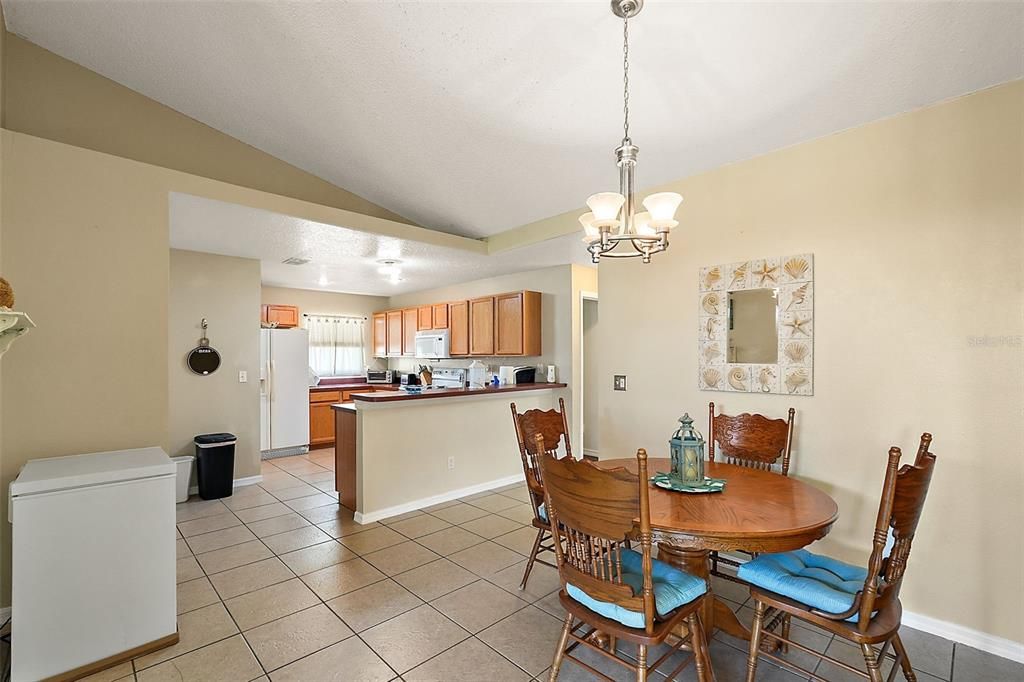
(410,322)
(283,316)
(394,333)
(439,315)
(380,335)
(321,418)
(458,324)
(424,318)
(517,323)
(481,326)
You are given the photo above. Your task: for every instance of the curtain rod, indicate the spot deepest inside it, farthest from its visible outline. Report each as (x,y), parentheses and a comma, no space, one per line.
(340,317)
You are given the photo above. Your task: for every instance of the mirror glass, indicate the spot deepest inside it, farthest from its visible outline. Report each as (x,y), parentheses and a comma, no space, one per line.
(753,326)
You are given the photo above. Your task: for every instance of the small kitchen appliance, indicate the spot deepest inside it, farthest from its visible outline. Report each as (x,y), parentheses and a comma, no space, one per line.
(379,376)
(552,374)
(506,375)
(524,375)
(409,379)
(434,344)
(449,377)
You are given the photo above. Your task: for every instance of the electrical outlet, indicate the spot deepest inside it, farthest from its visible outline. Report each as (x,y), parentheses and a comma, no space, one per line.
(620,382)
(243,377)
(451,463)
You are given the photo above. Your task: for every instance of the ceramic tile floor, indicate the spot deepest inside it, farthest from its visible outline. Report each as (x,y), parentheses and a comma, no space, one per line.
(279,583)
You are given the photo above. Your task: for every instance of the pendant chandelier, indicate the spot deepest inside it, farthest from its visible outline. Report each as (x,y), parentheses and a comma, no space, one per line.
(613,228)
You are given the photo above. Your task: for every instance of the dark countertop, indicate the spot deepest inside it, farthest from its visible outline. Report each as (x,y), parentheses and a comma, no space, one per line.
(395,396)
(346,387)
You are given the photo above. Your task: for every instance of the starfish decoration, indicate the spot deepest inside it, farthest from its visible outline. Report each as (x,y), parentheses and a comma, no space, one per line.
(767,273)
(797,325)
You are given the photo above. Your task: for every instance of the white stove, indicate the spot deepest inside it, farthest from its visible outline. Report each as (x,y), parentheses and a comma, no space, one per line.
(448,377)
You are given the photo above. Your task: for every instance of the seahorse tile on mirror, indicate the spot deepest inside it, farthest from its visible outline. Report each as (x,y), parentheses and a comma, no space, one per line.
(765,379)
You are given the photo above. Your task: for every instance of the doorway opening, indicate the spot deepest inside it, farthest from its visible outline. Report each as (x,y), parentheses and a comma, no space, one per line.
(589,393)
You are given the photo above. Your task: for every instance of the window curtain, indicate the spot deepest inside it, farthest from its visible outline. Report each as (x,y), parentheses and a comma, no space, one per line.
(336,345)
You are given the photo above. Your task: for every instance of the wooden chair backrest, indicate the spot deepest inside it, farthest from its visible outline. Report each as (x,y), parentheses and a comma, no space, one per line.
(903,494)
(751,440)
(553,427)
(593,516)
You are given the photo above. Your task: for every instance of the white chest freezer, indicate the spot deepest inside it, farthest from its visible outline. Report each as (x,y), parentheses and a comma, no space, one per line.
(93,559)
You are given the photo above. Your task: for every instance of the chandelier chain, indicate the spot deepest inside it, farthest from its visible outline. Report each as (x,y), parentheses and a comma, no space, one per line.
(625,77)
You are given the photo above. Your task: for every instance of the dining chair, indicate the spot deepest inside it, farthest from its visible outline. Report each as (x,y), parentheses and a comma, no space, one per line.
(748,440)
(858,604)
(553,426)
(613,590)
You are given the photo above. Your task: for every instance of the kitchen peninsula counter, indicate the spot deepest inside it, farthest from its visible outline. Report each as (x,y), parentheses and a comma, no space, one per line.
(396,451)
(426,394)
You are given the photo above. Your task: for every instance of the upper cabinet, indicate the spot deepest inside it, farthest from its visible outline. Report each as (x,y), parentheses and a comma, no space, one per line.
(409,327)
(458,325)
(280,315)
(424,318)
(500,325)
(481,326)
(517,323)
(380,335)
(394,335)
(439,315)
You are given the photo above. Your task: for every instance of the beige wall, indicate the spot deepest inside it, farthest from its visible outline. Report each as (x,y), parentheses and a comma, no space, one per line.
(591,390)
(584,280)
(226,291)
(915,224)
(330,303)
(51,97)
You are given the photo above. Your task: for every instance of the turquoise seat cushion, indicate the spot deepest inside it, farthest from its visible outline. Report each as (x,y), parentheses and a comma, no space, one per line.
(672,589)
(812,579)
(543,513)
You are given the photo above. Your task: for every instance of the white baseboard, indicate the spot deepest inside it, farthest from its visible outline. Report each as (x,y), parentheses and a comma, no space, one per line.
(591,453)
(237,483)
(388,512)
(999,646)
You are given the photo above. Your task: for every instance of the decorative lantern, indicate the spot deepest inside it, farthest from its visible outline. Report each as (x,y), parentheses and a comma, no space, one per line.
(687,452)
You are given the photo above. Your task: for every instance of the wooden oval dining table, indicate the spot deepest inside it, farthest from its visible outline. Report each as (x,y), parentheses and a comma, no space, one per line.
(758,511)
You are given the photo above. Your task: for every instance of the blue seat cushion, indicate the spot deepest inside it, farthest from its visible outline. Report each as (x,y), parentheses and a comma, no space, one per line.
(812,579)
(672,589)
(543,513)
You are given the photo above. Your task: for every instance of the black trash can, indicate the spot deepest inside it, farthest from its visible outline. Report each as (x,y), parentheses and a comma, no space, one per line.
(215,461)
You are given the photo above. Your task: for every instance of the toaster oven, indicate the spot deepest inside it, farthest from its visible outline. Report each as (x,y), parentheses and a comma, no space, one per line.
(379,376)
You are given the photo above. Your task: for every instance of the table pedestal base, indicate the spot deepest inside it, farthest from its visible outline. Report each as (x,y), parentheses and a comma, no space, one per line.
(716,614)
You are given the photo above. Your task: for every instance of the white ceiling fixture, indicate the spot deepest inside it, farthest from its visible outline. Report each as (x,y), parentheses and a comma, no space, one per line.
(613,221)
(370,95)
(340,259)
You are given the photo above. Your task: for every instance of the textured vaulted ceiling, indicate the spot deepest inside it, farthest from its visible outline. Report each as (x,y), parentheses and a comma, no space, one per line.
(475,118)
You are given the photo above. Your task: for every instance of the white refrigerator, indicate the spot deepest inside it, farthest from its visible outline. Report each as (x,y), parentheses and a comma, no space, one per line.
(93,560)
(284,391)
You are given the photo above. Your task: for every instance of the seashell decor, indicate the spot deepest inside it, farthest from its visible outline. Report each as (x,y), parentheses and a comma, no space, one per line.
(6,294)
(729,358)
(710,303)
(711,377)
(796,268)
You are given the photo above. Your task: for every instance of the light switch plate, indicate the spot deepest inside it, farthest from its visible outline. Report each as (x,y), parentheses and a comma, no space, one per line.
(620,382)
(243,377)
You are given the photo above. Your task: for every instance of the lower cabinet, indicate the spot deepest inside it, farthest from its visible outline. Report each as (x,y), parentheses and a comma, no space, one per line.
(345,458)
(321,418)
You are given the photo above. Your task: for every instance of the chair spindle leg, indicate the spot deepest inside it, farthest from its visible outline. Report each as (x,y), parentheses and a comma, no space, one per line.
(874,671)
(755,641)
(901,653)
(560,651)
(641,663)
(533,557)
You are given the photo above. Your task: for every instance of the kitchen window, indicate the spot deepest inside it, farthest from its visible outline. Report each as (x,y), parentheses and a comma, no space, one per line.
(336,344)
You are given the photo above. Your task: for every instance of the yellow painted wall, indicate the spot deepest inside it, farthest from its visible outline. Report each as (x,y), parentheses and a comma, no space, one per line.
(915,223)
(226,291)
(49,96)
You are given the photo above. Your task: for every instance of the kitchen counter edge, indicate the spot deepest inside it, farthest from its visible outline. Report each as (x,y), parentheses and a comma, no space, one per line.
(402,396)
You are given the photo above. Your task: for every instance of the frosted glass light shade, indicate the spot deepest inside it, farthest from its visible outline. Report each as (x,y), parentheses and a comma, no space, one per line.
(642,225)
(591,233)
(605,206)
(662,206)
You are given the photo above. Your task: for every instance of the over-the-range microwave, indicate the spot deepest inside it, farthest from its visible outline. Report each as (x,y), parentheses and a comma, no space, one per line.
(434,344)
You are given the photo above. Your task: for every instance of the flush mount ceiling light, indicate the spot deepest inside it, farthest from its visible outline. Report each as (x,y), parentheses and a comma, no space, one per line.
(390,269)
(613,228)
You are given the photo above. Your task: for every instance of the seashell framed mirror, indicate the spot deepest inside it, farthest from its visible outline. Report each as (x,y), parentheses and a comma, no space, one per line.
(756,326)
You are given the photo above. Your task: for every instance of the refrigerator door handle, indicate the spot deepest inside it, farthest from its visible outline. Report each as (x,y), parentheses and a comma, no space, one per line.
(270,376)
